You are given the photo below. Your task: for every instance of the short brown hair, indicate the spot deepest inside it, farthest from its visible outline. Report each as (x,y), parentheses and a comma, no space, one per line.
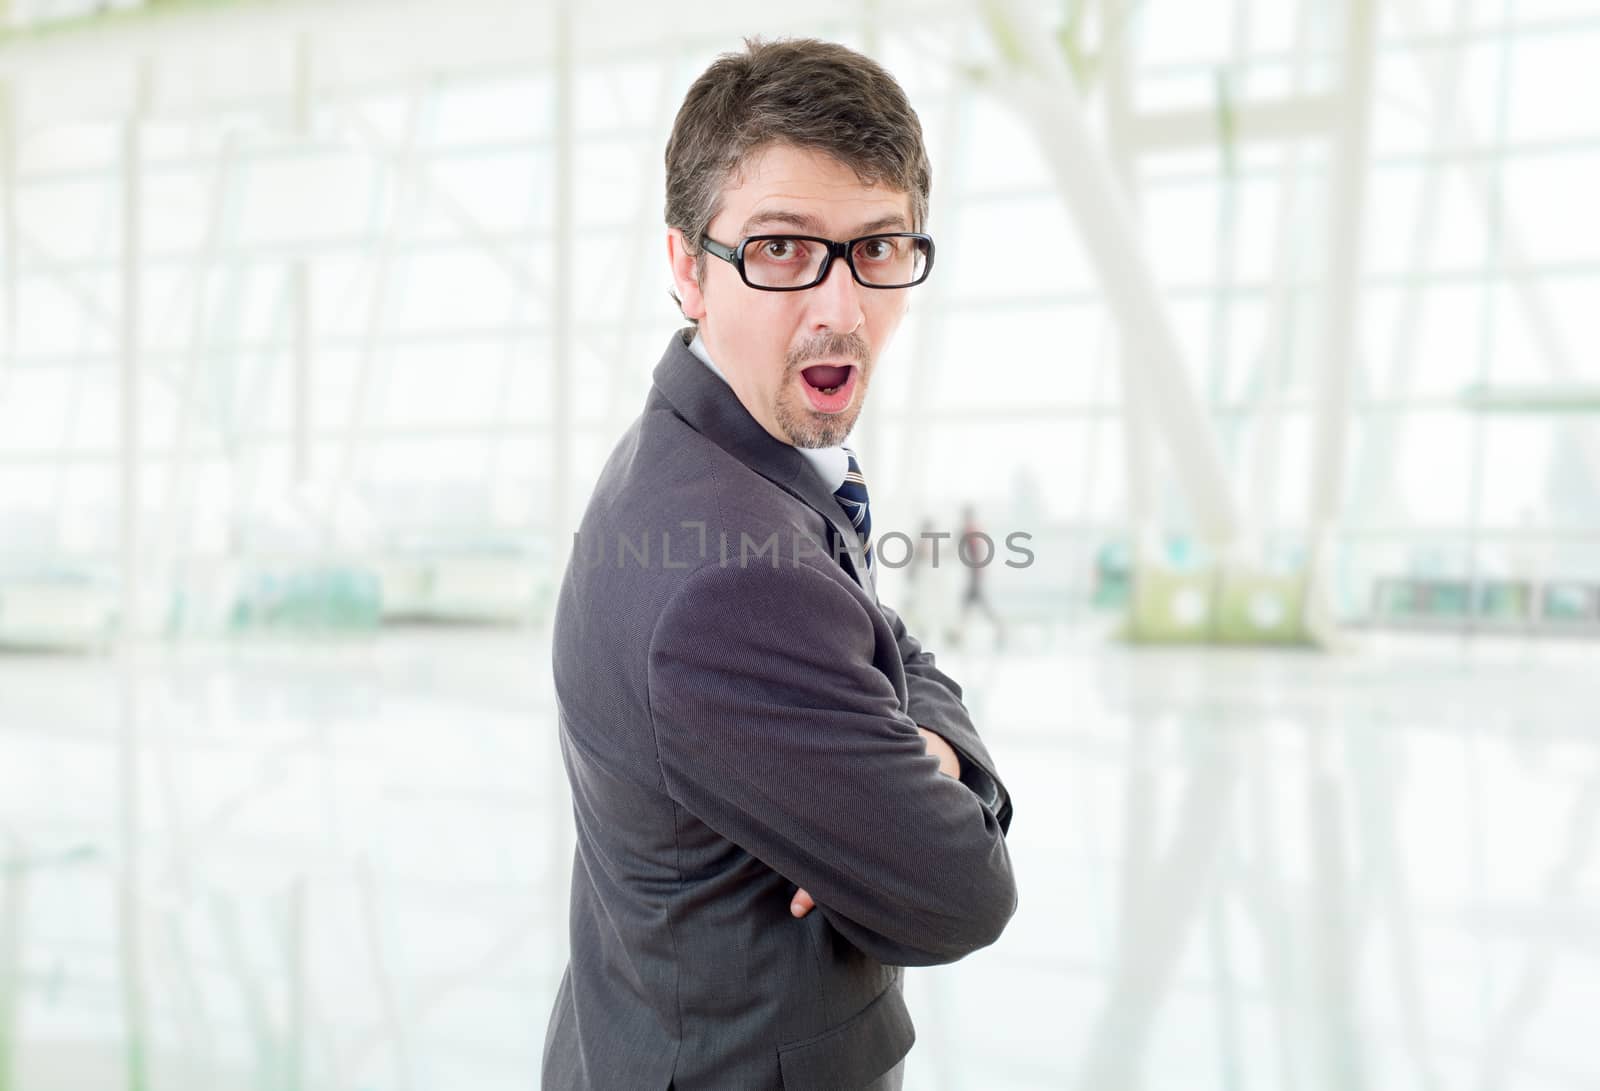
(797,91)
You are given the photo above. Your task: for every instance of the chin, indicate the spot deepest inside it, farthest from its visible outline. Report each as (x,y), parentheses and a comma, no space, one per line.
(808,427)
(822,430)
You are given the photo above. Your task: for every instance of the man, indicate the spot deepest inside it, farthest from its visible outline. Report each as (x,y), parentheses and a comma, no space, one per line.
(780,801)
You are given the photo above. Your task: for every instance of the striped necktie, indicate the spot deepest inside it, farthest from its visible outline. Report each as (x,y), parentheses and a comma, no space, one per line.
(852,496)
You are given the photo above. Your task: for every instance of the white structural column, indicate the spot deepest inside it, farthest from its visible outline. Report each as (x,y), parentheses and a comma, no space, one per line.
(13,901)
(1138,434)
(559,523)
(130,915)
(1040,86)
(300,287)
(1342,313)
(8,230)
(128,351)
(562,260)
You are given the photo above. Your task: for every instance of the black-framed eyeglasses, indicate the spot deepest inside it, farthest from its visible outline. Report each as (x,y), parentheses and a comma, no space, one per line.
(793,263)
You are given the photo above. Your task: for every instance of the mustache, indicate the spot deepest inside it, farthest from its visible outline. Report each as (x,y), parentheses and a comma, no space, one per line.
(831,346)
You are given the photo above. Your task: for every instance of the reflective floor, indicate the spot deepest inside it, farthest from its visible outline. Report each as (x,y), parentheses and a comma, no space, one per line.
(343,865)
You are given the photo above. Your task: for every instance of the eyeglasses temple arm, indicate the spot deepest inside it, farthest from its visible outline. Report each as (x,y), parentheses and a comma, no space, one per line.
(712,246)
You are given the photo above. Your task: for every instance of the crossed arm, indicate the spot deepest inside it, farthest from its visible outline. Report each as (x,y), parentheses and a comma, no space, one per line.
(775,728)
(949,765)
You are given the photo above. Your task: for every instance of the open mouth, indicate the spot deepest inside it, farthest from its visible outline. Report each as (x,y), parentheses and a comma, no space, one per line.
(829,387)
(826,378)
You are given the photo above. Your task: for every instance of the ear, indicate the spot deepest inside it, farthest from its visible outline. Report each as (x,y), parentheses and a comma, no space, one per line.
(690,299)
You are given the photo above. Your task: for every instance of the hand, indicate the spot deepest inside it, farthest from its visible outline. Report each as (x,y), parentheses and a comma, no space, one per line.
(949,765)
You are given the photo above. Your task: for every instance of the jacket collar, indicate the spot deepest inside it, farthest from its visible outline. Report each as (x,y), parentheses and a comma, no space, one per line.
(711,408)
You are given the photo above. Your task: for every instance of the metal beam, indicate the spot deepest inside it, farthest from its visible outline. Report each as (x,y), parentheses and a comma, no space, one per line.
(1542,399)
(1275,121)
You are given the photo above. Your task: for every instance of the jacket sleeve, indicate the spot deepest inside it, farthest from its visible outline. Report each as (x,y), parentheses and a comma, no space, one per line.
(775,728)
(935,703)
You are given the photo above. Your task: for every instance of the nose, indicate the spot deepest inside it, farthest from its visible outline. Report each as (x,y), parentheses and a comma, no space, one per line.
(835,304)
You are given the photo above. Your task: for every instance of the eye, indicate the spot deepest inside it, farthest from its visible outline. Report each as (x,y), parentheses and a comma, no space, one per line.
(780,249)
(876,249)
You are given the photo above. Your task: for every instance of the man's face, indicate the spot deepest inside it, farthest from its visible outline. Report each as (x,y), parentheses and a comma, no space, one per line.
(779,349)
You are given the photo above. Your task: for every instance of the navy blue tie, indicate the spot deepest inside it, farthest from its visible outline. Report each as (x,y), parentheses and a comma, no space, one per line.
(852,496)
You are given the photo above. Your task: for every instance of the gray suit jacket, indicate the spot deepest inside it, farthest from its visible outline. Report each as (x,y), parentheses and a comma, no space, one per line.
(738,719)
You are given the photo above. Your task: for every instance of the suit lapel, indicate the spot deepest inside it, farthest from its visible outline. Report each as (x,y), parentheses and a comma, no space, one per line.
(714,410)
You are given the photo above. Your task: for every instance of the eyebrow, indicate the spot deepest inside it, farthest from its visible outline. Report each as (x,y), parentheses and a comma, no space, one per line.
(809,223)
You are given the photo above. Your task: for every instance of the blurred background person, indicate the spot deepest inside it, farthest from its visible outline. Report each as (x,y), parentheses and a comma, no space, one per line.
(975,552)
